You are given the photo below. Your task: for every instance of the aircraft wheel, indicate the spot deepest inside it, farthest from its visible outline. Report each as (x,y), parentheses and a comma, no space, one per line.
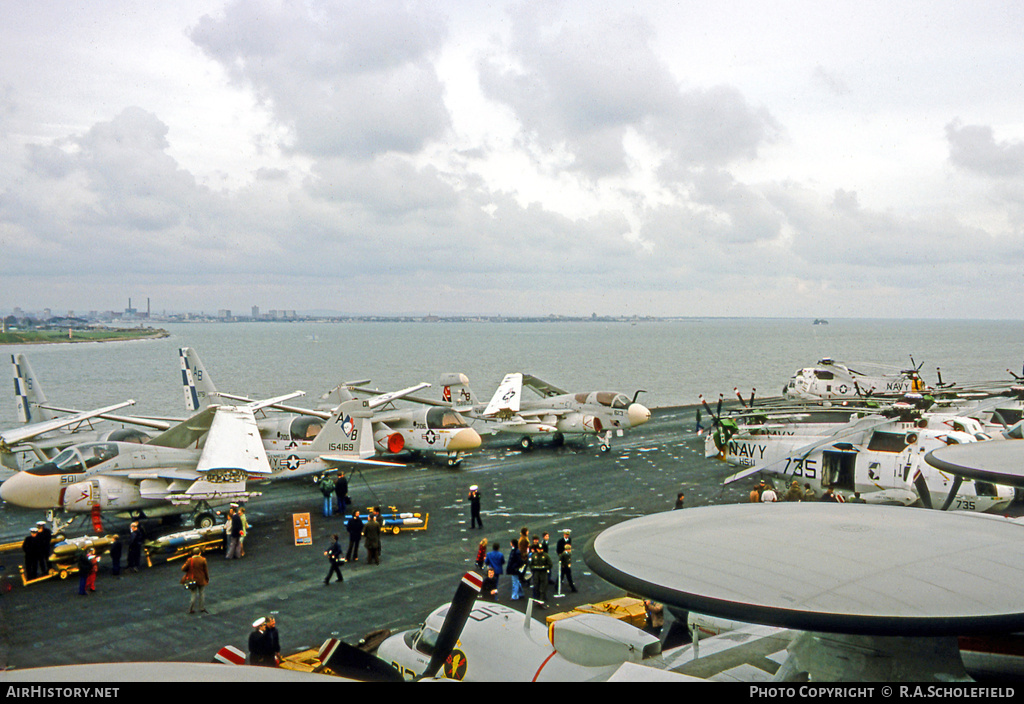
(205,520)
(526,443)
(605,448)
(558,439)
(454,461)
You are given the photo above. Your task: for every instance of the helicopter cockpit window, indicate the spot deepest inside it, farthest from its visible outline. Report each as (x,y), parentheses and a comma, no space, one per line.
(440,418)
(985,489)
(822,374)
(887,442)
(306,428)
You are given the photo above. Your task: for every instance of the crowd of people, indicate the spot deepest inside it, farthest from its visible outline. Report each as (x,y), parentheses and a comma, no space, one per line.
(529,566)
(516,567)
(764,492)
(38,551)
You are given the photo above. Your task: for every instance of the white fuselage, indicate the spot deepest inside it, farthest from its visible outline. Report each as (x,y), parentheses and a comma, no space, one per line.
(881,463)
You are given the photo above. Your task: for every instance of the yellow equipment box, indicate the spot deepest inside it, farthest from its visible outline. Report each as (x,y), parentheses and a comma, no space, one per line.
(624,608)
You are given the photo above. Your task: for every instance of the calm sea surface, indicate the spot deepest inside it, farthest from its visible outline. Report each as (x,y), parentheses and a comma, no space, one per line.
(673,362)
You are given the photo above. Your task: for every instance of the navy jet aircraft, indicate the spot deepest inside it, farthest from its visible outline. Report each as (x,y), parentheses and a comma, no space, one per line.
(553,412)
(47,429)
(395,430)
(169,474)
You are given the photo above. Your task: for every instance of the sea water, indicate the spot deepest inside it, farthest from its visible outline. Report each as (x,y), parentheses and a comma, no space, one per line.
(671,362)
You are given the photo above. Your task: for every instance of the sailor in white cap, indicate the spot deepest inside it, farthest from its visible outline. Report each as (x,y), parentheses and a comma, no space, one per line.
(474,508)
(566,539)
(259,644)
(45,546)
(30,546)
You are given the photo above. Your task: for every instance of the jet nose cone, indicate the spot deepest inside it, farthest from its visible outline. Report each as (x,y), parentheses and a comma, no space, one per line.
(465,439)
(29,491)
(638,414)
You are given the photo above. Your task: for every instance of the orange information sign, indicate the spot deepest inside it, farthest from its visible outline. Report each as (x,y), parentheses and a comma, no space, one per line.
(303,529)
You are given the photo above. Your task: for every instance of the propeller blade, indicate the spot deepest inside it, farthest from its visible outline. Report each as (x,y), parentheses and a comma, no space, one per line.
(454,621)
(349,661)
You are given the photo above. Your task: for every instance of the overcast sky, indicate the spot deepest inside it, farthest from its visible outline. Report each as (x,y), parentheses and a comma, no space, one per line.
(860,159)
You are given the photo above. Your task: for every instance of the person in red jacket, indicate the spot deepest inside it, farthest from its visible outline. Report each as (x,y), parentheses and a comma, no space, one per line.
(197,574)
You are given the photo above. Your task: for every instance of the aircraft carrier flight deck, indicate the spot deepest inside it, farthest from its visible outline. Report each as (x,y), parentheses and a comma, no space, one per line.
(143,616)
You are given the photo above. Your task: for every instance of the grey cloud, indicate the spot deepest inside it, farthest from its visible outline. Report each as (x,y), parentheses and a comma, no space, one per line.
(974,148)
(352,79)
(831,82)
(583,87)
(390,187)
(841,239)
(108,200)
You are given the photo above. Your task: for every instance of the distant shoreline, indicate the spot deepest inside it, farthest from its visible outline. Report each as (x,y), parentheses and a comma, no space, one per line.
(71,336)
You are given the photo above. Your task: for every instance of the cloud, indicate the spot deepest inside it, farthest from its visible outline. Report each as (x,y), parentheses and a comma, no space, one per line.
(523,158)
(975,149)
(832,82)
(583,85)
(348,79)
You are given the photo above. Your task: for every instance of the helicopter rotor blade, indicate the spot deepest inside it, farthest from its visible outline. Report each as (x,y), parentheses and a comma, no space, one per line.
(922,490)
(957,481)
(736,391)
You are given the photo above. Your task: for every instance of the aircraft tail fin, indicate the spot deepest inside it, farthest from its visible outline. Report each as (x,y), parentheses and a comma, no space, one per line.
(198,385)
(508,395)
(339,394)
(455,390)
(349,430)
(29,399)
